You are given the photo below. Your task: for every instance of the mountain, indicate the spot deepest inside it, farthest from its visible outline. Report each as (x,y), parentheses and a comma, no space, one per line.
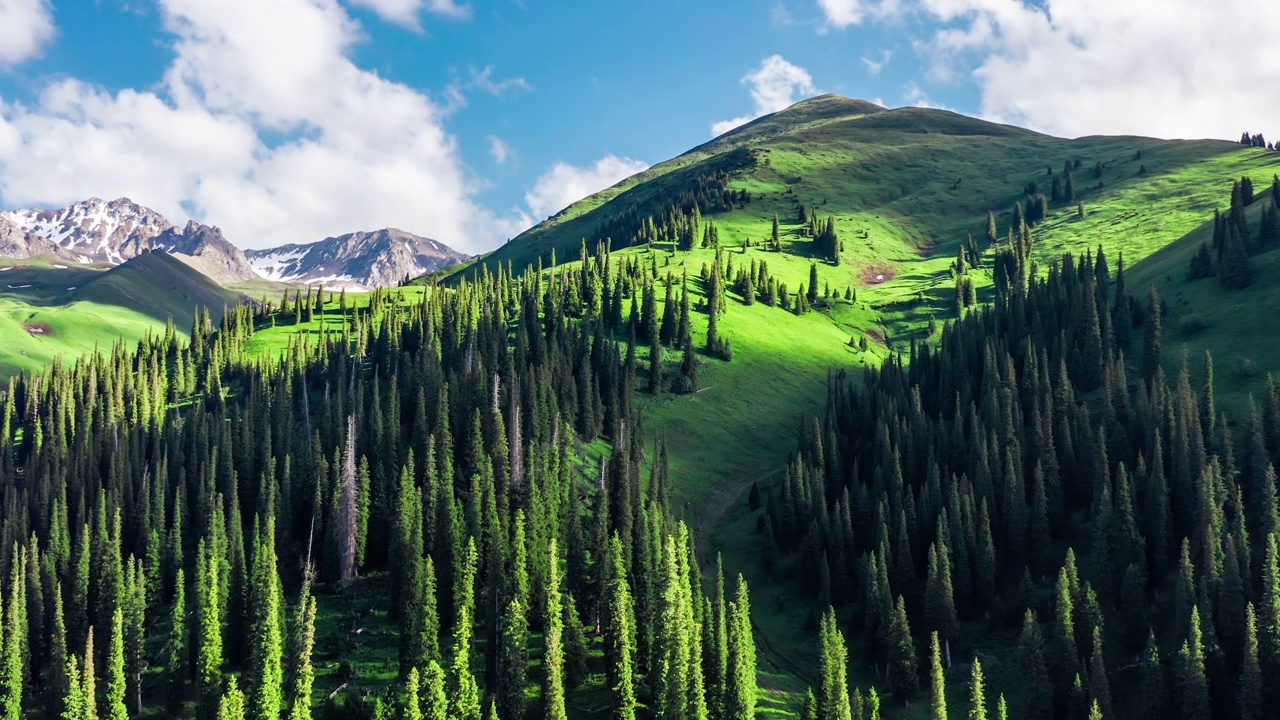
(16,242)
(910,183)
(205,249)
(359,260)
(95,230)
(112,232)
(157,284)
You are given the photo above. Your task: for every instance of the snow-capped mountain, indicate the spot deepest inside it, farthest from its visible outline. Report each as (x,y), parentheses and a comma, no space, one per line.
(101,231)
(15,242)
(95,230)
(358,260)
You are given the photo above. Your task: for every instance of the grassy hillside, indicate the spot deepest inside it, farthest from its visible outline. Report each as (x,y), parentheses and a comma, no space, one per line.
(905,188)
(1201,316)
(49,310)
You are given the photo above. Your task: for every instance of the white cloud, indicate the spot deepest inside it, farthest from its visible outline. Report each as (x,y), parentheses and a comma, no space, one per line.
(406,12)
(26,26)
(500,150)
(875,65)
(915,96)
(775,85)
(1171,68)
(483,79)
(565,184)
(842,13)
(262,125)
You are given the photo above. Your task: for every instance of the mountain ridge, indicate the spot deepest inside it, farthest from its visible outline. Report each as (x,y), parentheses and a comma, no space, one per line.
(377,258)
(96,231)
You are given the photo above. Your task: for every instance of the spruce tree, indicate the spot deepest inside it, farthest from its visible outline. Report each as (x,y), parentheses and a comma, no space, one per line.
(553,653)
(833,692)
(88,681)
(1269,619)
(435,702)
(937,683)
(411,704)
(512,660)
(1251,671)
(208,630)
(74,704)
(464,691)
(1193,684)
(1031,660)
(114,707)
(231,704)
(303,672)
(977,693)
(740,703)
(1151,347)
(266,647)
(902,654)
(1099,684)
(177,664)
(620,634)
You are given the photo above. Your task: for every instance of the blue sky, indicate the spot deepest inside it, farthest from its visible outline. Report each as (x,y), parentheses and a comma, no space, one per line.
(290,120)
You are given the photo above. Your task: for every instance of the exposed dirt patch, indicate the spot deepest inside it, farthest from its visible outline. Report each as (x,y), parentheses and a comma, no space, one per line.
(38,329)
(876,336)
(877,274)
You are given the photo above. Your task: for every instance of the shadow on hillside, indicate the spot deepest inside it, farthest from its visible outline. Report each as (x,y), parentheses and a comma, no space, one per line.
(155,295)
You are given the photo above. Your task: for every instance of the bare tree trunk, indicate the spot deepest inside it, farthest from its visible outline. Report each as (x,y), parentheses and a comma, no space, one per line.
(347,510)
(516,442)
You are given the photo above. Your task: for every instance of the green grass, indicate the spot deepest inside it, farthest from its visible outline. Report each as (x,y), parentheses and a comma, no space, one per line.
(905,187)
(1234,326)
(51,311)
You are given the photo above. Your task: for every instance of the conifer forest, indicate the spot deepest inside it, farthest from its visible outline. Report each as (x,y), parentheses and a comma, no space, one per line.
(711,446)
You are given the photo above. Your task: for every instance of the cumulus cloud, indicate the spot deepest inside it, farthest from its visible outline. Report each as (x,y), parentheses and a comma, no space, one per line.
(262,125)
(1173,68)
(842,13)
(564,184)
(26,26)
(775,85)
(1169,68)
(406,12)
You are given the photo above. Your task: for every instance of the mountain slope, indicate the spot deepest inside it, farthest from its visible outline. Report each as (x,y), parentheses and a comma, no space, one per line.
(904,189)
(914,181)
(358,260)
(1202,316)
(205,249)
(158,285)
(50,312)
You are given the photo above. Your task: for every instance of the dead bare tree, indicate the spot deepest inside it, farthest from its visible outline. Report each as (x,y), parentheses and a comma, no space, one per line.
(348,513)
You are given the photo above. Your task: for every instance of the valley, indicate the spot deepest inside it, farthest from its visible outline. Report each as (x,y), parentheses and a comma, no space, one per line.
(883,365)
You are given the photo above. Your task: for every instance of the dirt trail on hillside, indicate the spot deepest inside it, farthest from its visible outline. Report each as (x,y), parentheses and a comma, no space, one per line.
(713,512)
